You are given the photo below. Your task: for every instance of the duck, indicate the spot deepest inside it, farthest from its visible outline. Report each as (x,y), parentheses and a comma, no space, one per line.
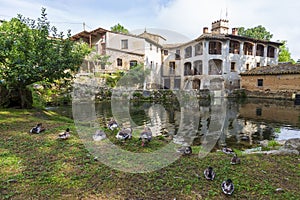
(64,135)
(185,150)
(227,150)
(112,124)
(227,187)
(124,134)
(209,173)
(37,129)
(235,160)
(99,135)
(146,135)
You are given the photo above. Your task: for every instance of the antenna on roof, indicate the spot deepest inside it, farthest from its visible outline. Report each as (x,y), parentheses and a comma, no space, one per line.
(226,14)
(221,14)
(83,26)
(145,30)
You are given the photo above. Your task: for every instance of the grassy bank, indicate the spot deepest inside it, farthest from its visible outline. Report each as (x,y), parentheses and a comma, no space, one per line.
(42,167)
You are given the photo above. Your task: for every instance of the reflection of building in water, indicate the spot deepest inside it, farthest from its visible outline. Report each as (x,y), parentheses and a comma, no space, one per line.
(283,112)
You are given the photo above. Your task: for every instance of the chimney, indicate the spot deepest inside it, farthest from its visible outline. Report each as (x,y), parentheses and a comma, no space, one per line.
(205,30)
(235,31)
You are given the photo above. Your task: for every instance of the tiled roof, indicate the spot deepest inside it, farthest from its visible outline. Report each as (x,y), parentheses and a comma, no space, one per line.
(285,68)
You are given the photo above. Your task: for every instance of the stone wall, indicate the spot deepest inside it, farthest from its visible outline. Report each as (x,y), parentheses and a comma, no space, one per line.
(272,83)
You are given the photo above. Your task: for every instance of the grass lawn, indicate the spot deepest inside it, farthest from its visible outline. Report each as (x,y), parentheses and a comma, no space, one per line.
(39,166)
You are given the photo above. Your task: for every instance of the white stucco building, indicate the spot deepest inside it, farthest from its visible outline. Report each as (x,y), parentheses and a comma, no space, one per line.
(214,60)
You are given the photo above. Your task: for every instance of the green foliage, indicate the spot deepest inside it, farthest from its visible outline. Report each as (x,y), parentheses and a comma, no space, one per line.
(258,32)
(112,80)
(119,28)
(284,53)
(273,143)
(33,51)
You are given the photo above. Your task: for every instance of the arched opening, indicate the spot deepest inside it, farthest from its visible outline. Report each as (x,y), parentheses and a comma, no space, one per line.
(271,52)
(198,67)
(216,84)
(248,48)
(188,69)
(215,47)
(260,50)
(215,67)
(196,84)
(234,47)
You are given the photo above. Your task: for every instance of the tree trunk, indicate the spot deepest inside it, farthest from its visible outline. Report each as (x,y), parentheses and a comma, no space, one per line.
(25,97)
(20,97)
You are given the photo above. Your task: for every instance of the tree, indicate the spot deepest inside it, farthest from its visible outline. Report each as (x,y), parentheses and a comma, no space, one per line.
(258,32)
(33,51)
(284,53)
(119,28)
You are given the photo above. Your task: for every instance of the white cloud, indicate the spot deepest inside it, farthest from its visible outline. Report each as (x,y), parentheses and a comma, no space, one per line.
(190,16)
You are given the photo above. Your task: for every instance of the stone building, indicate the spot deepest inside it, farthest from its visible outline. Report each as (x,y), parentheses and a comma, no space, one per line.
(279,78)
(124,51)
(215,59)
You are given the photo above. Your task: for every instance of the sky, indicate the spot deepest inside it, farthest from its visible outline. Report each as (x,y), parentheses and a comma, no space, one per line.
(186,18)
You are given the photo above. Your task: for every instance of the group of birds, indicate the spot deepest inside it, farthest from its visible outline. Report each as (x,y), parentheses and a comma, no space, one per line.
(124,133)
(146,136)
(39,128)
(227,185)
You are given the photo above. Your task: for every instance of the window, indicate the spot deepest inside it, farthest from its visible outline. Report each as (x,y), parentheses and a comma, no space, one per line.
(187,69)
(259,50)
(150,47)
(271,52)
(166,52)
(215,48)
(198,49)
(248,48)
(172,67)
(151,64)
(188,52)
(260,82)
(167,84)
(258,111)
(234,47)
(124,44)
(198,67)
(119,62)
(132,63)
(177,54)
(247,66)
(177,84)
(257,64)
(156,49)
(232,66)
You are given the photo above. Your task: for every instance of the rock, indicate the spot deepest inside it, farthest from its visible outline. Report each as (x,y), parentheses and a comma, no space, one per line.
(292,144)
(282,151)
(264,143)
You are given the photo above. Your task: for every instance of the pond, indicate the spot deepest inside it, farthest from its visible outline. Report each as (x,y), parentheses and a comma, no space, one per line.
(223,122)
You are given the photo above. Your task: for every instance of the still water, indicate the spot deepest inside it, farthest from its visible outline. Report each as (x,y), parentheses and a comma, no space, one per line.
(226,122)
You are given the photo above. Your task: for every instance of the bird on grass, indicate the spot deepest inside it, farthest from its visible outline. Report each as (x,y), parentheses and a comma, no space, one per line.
(112,124)
(227,187)
(146,135)
(64,135)
(235,160)
(124,134)
(227,150)
(185,150)
(209,173)
(99,135)
(37,129)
